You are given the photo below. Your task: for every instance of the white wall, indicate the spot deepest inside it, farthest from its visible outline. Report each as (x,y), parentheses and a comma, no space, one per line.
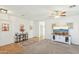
(6,37)
(14,22)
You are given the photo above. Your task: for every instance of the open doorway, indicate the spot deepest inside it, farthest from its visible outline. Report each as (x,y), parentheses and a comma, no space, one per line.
(41,30)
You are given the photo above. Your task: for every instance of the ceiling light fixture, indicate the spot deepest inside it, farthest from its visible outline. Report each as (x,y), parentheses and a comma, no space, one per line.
(2,10)
(57,13)
(72,6)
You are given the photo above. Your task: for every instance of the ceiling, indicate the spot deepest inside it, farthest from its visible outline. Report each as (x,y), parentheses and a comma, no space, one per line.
(39,12)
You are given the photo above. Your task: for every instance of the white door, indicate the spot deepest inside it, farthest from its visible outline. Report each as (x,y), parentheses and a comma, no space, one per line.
(41,30)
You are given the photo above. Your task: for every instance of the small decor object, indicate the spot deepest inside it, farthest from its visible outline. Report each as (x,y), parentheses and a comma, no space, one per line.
(22,28)
(30,27)
(5,27)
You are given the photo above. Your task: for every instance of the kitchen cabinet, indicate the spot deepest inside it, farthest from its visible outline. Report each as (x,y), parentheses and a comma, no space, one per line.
(61,38)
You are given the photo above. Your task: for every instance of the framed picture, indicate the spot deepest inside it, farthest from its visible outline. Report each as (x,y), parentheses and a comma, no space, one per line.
(30,27)
(21,28)
(5,27)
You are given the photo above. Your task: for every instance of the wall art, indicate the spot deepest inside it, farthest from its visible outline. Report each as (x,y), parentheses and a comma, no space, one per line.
(21,28)
(5,27)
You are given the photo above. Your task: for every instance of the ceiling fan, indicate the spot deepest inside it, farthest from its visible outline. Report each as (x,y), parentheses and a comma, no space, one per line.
(58,13)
